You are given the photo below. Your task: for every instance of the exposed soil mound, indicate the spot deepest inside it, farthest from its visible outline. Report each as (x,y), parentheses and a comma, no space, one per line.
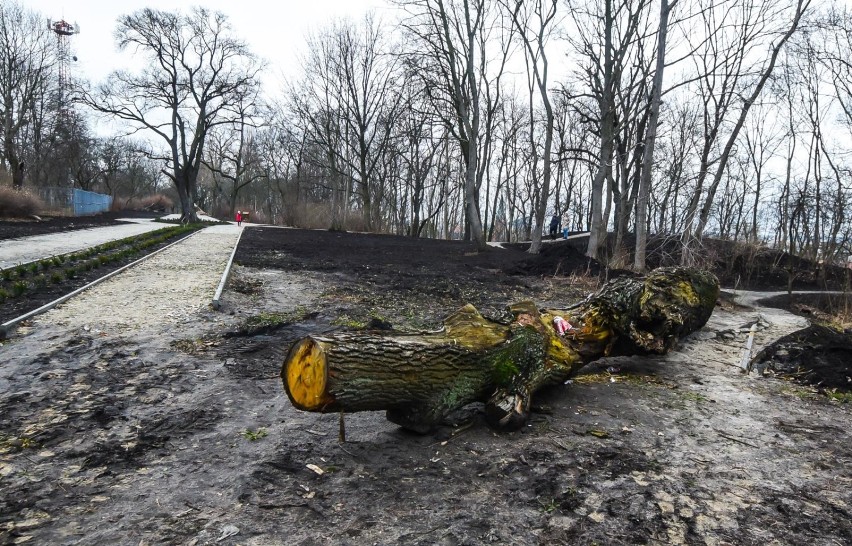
(561,258)
(299,249)
(749,266)
(817,356)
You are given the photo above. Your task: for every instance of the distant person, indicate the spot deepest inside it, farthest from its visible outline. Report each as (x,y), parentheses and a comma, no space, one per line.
(554,226)
(239,218)
(566,221)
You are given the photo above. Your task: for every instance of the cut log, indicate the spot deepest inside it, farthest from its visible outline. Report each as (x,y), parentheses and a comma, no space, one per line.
(419,378)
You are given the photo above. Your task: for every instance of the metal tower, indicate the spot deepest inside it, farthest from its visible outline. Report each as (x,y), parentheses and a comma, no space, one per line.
(63,30)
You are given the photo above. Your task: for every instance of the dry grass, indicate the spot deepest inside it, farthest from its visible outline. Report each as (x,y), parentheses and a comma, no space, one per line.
(157,202)
(19,203)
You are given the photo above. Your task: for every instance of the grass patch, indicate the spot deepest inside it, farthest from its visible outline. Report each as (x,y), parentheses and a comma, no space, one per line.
(548,505)
(695,397)
(254,435)
(837,396)
(192,346)
(348,322)
(268,320)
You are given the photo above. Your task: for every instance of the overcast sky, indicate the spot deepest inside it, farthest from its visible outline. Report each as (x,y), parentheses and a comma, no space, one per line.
(274,30)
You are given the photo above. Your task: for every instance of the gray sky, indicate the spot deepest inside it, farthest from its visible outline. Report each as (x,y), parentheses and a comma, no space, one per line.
(274,30)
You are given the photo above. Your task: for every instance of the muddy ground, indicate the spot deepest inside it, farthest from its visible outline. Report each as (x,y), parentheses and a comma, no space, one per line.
(184,435)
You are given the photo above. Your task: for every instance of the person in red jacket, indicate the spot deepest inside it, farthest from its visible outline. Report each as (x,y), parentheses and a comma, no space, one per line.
(239,218)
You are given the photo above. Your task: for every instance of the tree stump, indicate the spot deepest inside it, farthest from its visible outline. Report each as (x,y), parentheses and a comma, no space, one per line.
(419,378)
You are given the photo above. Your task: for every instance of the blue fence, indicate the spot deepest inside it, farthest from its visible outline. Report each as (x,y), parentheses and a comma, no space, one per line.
(87,202)
(76,202)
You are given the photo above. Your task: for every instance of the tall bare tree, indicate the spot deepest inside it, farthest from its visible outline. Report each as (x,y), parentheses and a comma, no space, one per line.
(604,37)
(732,79)
(27,57)
(534,22)
(234,154)
(349,100)
(197,74)
(451,37)
(642,202)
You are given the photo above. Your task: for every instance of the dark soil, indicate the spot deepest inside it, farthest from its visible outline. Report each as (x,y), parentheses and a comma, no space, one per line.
(751,266)
(817,356)
(737,265)
(184,436)
(12,229)
(428,277)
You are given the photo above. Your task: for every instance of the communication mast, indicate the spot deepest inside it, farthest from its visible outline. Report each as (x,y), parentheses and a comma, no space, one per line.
(64,31)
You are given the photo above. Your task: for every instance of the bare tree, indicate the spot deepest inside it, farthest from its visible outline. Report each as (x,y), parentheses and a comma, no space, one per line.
(604,37)
(234,154)
(350,100)
(452,57)
(642,202)
(26,60)
(197,74)
(731,83)
(534,23)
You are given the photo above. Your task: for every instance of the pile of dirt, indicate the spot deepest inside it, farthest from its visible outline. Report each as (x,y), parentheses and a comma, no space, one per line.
(736,264)
(817,356)
(749,266)
(562,258)
(373,254)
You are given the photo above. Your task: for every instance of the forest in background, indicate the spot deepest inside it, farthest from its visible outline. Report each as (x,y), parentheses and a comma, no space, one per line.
(467,119)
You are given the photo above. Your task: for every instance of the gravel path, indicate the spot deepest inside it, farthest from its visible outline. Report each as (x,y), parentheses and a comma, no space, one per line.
(30,249)
(160,293)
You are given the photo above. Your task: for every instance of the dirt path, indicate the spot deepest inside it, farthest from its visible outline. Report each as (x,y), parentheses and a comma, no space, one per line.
(140,424)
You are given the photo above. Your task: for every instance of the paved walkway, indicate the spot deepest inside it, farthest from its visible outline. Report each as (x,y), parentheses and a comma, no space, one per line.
(37,247)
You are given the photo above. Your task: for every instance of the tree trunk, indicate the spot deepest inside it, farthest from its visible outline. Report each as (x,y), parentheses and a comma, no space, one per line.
(420,378)
(650,140)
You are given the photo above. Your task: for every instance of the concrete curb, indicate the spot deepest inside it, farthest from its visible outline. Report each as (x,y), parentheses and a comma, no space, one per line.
(7,327)
(227,273)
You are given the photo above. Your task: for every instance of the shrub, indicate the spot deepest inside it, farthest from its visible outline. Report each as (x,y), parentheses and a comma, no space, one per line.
(157,202)
(19,288)
(40,281)
(19,203)
(70,272)
(56,277)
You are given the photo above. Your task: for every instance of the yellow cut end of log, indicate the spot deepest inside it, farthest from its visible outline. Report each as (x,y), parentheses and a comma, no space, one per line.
(305,375)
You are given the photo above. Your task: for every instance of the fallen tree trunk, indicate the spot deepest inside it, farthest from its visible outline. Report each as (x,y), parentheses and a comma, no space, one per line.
(419,378)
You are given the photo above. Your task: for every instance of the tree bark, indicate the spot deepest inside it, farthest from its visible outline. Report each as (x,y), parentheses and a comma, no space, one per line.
(651,140)
(420,378)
